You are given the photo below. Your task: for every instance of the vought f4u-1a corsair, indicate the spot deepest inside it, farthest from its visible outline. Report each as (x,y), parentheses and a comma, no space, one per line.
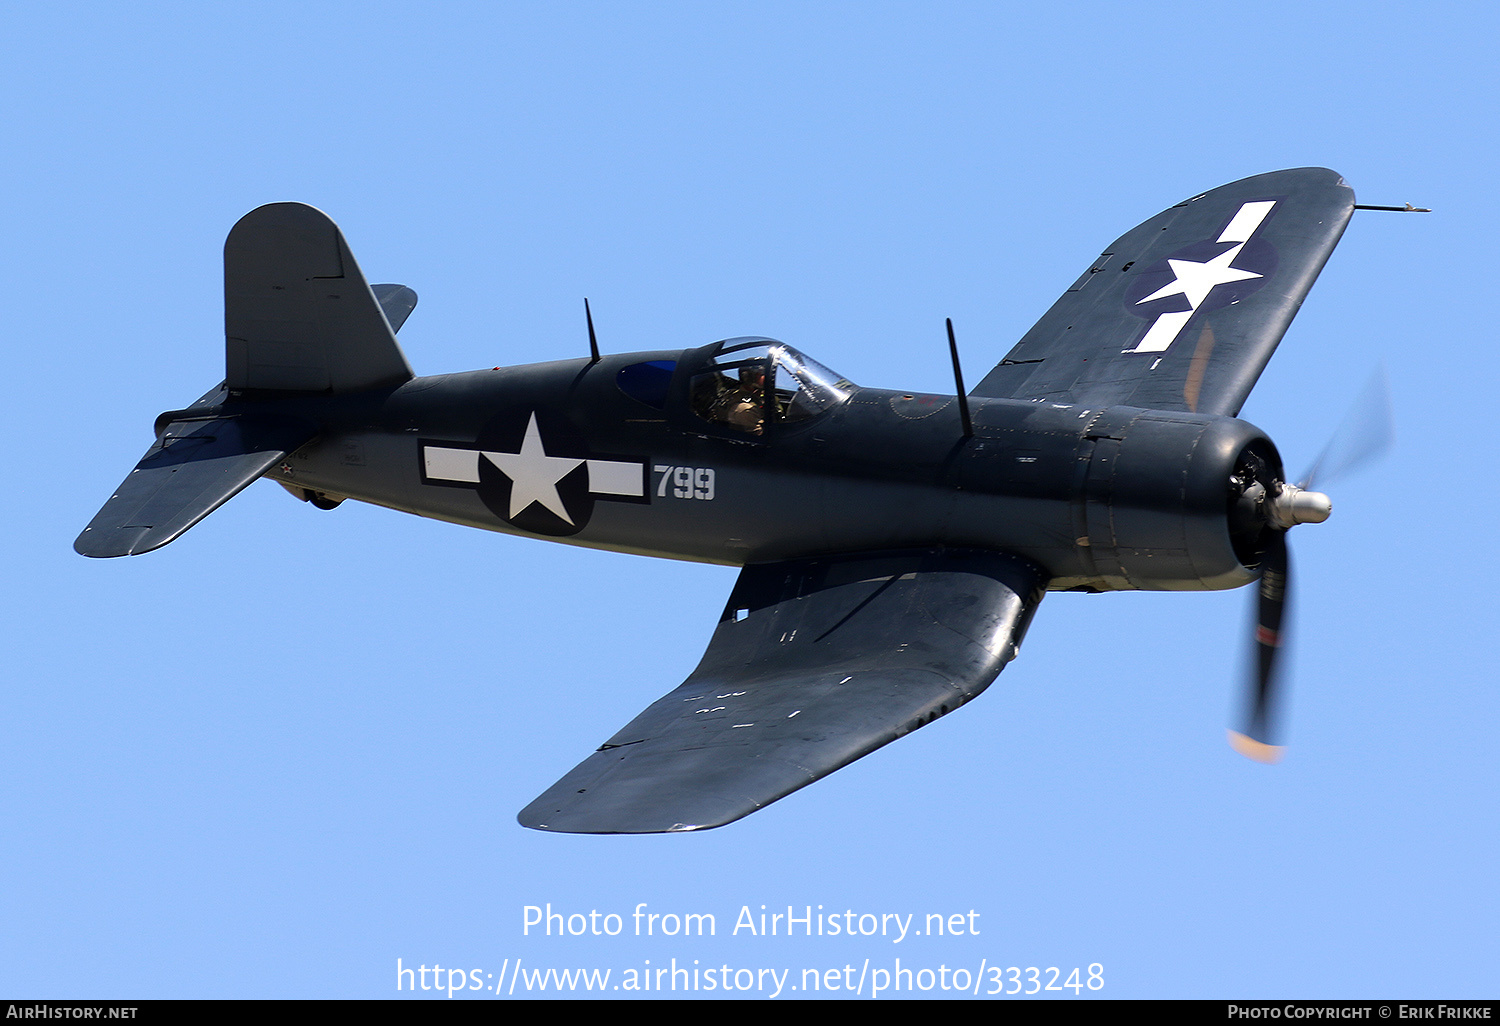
(894,546)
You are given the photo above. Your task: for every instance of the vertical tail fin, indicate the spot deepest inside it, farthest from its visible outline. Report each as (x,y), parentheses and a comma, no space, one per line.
(298,313)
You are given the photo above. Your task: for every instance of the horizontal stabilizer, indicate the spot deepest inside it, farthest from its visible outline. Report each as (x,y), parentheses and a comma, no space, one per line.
(194,468)
(397,301)
(815,663)
(298,313)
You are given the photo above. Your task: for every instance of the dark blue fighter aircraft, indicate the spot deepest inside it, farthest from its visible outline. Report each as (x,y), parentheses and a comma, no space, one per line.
(894,545)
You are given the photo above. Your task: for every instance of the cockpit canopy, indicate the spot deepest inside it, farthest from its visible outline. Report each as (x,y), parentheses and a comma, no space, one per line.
(750,384)
(742,385)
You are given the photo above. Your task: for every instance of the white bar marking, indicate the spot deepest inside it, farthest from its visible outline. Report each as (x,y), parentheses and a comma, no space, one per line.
(451,464)
(1163,333)
(1243,224)
(607,477)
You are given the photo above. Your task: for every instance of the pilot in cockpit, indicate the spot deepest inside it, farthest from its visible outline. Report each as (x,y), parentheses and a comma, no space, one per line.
(743,406)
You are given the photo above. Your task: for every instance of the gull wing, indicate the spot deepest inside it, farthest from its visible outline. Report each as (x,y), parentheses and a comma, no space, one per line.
(1184,311)
(814,663)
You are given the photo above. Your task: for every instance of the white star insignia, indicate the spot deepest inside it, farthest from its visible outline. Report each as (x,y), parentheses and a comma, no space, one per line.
(1196,280)
(534,474)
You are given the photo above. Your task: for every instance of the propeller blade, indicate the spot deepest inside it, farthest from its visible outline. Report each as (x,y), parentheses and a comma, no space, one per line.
(1255,741)
(1367,431)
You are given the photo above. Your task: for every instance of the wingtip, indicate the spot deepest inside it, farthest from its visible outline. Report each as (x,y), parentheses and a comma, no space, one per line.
(554,820)
(105,543)
(1253,749)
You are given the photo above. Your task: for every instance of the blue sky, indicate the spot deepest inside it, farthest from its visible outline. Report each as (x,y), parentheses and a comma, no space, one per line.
(288,749)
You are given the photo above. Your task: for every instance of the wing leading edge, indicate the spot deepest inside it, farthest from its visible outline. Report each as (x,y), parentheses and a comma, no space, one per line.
(815,663)
(1184,311)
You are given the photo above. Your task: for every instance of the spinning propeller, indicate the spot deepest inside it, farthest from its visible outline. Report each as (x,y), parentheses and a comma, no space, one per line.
(1263,509)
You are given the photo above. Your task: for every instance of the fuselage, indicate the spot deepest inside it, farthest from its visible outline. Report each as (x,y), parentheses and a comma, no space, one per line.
(660,454)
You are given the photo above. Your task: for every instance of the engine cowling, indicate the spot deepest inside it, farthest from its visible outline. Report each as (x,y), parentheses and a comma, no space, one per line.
(1174,501)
